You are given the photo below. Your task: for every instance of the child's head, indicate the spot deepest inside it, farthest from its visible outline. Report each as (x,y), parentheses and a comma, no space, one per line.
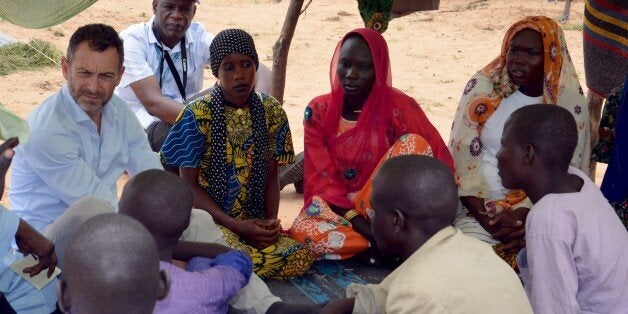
(161,201)
(413,198)
(111,266)
(234,62)
(547,133)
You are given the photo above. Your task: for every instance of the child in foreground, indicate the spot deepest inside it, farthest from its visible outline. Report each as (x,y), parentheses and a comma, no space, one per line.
(111,266)
(576,254)
(162,202)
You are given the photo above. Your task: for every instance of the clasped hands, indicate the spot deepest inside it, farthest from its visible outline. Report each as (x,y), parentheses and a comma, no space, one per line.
(509,228)
(260,233)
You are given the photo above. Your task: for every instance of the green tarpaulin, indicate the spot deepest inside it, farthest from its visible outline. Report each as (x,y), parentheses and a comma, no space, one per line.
(41,13)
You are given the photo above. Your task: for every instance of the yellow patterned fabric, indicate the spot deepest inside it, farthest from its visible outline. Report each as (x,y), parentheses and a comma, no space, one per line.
(239,150)
(189,145)
(284,259)
(508,257)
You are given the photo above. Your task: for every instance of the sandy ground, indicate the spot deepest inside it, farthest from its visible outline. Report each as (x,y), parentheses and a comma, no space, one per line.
(433,54)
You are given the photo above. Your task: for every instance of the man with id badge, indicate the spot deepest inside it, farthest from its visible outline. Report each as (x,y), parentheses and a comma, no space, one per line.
(164,60)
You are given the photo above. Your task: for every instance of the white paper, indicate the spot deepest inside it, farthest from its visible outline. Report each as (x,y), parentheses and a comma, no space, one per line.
(40,280)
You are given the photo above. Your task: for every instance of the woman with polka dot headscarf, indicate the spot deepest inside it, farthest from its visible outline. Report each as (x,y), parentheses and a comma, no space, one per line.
(228,143)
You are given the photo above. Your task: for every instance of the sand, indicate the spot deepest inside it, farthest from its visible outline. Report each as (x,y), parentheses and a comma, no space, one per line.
(433,54)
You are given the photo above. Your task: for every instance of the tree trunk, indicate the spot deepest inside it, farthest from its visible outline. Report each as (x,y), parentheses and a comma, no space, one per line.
(595,114)
(281,48)
(566,10)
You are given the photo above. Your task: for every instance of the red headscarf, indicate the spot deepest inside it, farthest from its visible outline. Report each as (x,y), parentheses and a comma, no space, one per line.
(339,164)
(362,147)
(374,108)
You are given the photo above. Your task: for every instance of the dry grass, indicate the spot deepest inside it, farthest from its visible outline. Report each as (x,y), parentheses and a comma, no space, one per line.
(24,57)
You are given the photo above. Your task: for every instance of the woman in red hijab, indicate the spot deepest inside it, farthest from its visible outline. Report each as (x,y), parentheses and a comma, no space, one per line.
(348,133)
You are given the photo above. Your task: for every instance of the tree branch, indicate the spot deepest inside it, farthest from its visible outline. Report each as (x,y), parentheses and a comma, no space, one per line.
(282,46)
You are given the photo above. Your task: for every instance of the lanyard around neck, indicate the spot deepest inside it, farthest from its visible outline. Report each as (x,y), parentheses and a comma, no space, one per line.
(184,64)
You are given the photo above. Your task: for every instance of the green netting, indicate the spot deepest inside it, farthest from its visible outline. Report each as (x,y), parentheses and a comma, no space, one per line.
(41,13)
(12,125)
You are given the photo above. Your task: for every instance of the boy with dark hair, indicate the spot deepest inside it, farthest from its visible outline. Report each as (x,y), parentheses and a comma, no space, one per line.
(576,254)
(414,202)
(111,267)
(162,202)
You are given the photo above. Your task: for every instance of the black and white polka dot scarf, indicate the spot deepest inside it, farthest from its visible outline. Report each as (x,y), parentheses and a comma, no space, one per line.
(231,41)
(254,205)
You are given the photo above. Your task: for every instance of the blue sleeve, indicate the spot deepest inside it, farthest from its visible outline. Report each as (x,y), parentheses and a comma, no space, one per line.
(9,222)
(141,157)
(185,144)
(198,264)
(237,260)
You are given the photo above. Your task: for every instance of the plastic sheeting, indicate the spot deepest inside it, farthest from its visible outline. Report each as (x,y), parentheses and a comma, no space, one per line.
(41,13)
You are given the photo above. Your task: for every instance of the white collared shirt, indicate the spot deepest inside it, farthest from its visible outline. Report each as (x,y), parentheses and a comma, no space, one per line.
(66,158)
(142,58)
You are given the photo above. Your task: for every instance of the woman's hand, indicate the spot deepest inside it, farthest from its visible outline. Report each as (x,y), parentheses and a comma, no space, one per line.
(260,233)
(359,223)
(475,206)
(509,228)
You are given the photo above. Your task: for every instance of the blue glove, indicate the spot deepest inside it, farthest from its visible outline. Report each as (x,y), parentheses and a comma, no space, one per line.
(237,260)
